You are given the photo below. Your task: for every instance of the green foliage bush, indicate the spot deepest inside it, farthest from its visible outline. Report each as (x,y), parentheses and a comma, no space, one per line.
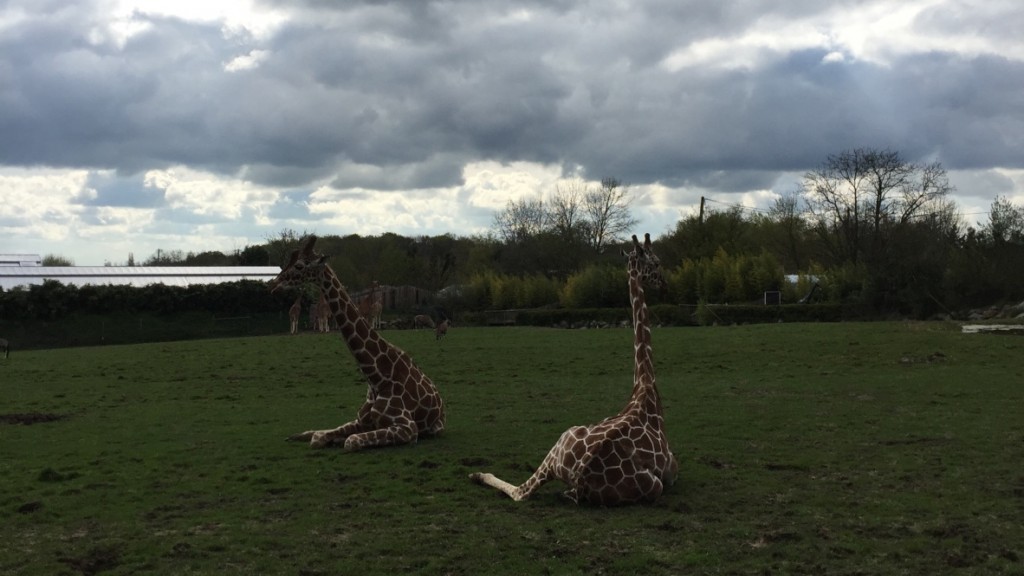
(491,291)
(599,286)
(725,278)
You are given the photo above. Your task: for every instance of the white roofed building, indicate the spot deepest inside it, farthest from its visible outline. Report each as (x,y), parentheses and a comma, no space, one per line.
(14,275)
(21,260)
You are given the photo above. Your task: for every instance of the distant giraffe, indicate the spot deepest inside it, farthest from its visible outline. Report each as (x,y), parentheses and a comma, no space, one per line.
(294,313)
(442,329)
(624,458)
(377,307)
(322,320)
(402,403)
(370,306)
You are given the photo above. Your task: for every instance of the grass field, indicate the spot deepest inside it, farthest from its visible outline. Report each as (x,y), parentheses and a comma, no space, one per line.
(882,448)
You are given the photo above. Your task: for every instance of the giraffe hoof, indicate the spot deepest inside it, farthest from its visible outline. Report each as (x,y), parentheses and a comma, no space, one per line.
(300,437)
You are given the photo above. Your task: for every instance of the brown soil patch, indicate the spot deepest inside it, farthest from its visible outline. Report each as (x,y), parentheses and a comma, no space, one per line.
(30,418)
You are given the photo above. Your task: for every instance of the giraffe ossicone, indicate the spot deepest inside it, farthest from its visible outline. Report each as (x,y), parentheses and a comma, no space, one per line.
(624,458)
(402,403)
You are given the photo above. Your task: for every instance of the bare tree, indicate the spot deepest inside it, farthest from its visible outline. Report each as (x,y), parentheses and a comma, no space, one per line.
(566,215)
(520,220)
(607,210)
(858,197)
(785,219)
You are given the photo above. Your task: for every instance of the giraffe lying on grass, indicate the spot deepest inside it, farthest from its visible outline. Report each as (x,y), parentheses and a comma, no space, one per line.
(624,458)
(402,403)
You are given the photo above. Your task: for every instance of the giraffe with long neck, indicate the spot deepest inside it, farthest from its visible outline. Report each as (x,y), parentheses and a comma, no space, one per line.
(625,458)
(402,403)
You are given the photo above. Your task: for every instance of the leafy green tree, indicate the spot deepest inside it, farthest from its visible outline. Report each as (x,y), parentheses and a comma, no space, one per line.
(697,239)
(254,255)
(1006,222)
(597,286)
(210,258)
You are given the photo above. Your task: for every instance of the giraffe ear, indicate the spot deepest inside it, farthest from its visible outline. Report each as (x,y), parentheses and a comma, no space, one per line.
(307,246)
(636,245)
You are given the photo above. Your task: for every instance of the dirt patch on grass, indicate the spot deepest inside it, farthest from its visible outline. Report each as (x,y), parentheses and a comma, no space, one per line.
(94,561)
(28,418)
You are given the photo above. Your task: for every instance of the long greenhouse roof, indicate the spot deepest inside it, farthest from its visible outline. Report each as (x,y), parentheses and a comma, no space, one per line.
(12,276)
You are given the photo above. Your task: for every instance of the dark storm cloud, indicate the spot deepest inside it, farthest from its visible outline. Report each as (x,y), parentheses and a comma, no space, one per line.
(401,95)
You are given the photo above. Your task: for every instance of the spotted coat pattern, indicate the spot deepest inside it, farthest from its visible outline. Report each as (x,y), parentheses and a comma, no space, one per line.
(402,403)
(625,458)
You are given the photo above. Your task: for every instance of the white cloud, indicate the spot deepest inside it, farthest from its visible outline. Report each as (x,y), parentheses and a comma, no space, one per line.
(206,122)
(37,203)
(247,61)
(490,185)
(237,16)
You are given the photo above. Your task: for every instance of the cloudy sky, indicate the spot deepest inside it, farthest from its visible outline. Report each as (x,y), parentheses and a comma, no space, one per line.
(128,126)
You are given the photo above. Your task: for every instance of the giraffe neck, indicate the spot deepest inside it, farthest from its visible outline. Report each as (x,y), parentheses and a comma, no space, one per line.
(645,394)
(355,330)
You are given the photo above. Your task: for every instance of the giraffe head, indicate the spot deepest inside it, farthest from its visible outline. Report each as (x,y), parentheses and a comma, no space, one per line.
(646,263)
(304,266)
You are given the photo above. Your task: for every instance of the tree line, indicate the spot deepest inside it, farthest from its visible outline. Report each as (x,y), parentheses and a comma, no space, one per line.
(873,231)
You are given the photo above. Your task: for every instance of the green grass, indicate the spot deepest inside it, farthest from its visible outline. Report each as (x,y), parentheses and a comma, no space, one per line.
(883,448)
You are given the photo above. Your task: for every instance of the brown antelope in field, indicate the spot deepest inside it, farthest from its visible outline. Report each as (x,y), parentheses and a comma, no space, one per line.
(442,329)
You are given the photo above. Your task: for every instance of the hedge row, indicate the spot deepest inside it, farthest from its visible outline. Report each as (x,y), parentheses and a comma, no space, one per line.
(662,315)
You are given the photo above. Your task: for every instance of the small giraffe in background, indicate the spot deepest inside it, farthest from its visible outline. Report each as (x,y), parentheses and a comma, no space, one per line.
(442,329)
(370,306)
(402,403)
(293,315)
(377,307)
(322,317)
(624,458)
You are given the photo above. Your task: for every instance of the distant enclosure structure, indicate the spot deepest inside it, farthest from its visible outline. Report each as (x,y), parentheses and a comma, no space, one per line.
(12,276)
(398,297)
(20,260)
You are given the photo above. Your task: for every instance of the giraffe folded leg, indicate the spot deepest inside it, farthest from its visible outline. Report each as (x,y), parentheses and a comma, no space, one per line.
(323,438)
(390,436)
(558,463)
(493,481)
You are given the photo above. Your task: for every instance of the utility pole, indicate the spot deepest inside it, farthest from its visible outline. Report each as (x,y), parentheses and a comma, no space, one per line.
(700,218)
